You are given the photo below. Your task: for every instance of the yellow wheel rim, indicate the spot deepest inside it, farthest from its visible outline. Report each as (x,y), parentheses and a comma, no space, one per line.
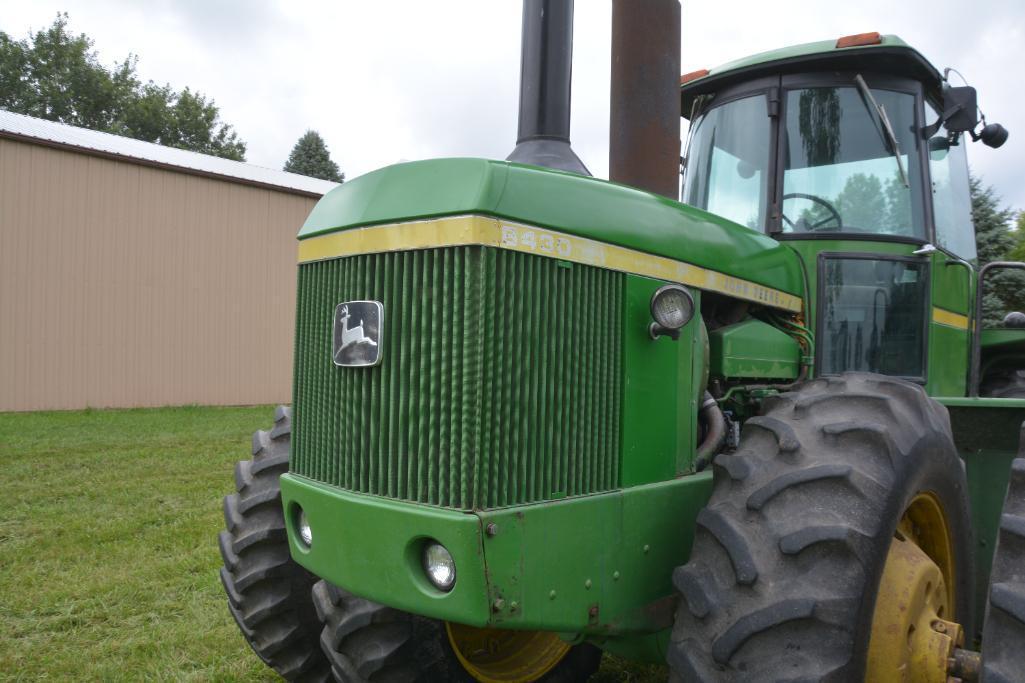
(914,631)
(494,655)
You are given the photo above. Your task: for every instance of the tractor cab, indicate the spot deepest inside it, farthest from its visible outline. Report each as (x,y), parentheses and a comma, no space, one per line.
(853,152)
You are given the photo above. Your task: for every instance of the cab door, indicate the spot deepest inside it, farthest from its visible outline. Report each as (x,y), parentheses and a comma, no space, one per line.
(953,280)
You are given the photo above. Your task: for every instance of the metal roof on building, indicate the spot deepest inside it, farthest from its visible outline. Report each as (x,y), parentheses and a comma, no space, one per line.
(91,141)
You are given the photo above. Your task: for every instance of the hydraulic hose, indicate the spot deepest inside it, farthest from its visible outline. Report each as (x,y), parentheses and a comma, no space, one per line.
(715,425)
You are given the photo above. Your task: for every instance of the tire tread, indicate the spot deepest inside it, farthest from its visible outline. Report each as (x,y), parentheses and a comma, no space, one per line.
(795,527)
(1004,628)
(268,593)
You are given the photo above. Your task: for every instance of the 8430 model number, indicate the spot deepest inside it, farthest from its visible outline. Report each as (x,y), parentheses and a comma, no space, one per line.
(527,239)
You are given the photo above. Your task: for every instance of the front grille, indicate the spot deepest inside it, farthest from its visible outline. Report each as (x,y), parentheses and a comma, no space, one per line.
(500,379)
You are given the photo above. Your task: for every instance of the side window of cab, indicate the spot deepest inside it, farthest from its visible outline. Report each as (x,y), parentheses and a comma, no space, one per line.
(951,200)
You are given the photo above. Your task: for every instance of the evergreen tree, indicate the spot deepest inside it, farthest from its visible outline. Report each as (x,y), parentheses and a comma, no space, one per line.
(310,157)
(1018,251)
(57,76)
(1005,289)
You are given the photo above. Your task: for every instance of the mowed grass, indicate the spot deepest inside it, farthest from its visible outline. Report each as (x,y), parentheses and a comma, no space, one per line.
(108,551)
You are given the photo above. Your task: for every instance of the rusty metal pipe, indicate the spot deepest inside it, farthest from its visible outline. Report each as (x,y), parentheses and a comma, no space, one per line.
(644,112)
(965,666)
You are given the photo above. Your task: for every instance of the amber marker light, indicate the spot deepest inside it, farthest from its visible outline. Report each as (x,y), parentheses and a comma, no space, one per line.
(859,39)
(693,76)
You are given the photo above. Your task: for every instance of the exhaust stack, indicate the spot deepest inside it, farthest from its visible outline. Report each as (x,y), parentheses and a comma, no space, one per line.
(546,66)
(644,125)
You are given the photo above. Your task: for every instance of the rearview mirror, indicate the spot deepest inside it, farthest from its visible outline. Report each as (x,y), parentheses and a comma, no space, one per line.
(960,109)
(961,115)
(938,147)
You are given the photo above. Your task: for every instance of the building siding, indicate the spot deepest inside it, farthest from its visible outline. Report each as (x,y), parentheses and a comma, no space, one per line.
(127,285)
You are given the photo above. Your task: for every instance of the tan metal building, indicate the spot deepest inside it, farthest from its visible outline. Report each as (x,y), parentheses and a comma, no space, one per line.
(133,274)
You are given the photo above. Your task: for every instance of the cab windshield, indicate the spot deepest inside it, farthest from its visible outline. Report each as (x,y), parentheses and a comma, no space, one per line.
(840,171)
(839,166)
(728,161)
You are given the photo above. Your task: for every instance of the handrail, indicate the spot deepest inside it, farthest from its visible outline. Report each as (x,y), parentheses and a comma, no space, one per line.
(976,331)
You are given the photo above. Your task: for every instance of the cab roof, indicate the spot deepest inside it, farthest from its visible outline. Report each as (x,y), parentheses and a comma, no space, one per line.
(882,53)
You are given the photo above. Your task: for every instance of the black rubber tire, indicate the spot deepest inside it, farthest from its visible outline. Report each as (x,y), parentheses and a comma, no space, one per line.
(789,551)
(1003,632)
(1010,384)
(268,593)
(369,643)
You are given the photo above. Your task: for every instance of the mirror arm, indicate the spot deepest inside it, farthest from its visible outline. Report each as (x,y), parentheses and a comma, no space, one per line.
(933,128)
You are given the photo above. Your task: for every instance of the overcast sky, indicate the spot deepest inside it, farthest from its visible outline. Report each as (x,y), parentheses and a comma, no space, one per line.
(388,80)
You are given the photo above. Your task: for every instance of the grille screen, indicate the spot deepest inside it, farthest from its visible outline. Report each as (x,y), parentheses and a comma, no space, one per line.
(499,384)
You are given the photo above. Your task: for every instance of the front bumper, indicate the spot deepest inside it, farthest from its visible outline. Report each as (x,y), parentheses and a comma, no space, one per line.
(372,546)
(597,564)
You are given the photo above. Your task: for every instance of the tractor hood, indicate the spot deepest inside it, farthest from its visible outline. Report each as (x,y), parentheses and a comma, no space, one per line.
(580,206)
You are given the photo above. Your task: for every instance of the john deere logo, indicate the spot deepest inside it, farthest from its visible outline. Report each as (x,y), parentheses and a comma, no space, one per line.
(357,333)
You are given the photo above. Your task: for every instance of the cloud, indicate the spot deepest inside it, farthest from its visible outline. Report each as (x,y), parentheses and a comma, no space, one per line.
(384,81)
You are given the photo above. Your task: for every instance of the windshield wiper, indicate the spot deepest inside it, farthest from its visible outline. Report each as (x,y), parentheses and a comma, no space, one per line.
(887,131)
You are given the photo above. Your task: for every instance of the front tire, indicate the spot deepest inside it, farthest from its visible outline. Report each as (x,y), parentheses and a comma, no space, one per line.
(789,552)
(268,592)
(369,643)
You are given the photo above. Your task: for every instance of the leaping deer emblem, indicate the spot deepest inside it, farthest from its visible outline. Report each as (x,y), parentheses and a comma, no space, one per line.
(351,336)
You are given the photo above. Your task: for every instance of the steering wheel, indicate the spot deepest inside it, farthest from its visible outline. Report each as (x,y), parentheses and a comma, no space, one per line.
(814,226)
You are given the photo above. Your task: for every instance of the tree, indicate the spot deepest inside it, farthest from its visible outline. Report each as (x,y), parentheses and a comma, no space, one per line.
(57,76)
(862,202)
(310,157)
(1005,289)
(898,206)
(1017,253)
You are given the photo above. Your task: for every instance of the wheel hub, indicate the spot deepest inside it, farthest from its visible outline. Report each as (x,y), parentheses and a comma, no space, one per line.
(493,655)
(913,635)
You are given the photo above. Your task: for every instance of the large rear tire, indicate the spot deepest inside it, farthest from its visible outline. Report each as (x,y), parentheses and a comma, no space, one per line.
(789,553)
(268,593)
(1003,634)
(369,643)
(1008,384)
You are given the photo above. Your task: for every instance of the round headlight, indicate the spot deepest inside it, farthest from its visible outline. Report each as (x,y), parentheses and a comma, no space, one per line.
(672,307)
(439,565)
(305,532)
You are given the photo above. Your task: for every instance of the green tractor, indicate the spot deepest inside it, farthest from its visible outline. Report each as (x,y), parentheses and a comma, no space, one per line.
(538,416)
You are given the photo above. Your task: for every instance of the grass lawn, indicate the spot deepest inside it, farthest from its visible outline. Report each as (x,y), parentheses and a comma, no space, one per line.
(108,549)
